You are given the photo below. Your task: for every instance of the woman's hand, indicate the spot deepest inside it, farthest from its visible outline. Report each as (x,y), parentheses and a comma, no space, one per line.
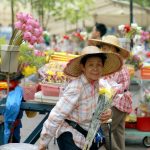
(105,116)
(41,147)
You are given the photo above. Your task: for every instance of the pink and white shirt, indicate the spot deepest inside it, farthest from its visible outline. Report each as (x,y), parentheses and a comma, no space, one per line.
(123,98)
(77,103)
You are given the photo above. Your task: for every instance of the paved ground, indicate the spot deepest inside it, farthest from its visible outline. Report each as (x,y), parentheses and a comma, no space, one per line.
(30,123)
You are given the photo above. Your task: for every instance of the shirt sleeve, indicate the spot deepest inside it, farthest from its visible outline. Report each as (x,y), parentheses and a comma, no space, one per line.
(123,78)
(62,109)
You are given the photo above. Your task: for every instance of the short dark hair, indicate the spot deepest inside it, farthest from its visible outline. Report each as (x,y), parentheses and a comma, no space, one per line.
(102,56)
(101,28)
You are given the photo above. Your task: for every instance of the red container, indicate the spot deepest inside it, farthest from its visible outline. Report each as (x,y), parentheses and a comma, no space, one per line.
(29,91)
(131,125)
(143,123)
(50,90)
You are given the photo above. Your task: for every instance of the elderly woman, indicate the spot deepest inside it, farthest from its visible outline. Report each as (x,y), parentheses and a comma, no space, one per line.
(70,119)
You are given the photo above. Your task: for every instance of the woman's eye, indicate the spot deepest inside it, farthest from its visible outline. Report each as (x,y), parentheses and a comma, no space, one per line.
(90,65)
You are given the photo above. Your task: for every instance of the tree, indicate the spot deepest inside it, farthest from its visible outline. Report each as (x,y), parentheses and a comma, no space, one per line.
(12,14)
(144,3)
(71,10)
(12,8)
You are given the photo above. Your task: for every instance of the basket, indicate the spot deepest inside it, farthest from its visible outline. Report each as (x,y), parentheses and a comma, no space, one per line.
(29,91)
(143,123)
(50,89)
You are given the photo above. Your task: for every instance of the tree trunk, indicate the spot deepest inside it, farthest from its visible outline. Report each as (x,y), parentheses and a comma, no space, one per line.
(12,14)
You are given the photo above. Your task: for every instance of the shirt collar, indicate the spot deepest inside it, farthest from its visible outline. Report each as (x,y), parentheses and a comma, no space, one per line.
(85,81)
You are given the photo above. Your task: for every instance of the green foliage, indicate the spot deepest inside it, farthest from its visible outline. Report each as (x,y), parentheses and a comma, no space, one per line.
(27,56)
(144,3)
(2,41)
(71,10)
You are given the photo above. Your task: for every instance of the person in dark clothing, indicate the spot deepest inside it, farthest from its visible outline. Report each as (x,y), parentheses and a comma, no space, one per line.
(99,30)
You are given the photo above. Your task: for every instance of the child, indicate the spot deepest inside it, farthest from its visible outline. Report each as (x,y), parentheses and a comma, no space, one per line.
(70,119)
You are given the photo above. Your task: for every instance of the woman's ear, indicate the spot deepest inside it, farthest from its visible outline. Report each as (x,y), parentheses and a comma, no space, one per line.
(82,67)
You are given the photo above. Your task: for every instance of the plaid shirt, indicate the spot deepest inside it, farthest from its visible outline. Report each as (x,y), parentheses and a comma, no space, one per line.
(122,99)
(77,103)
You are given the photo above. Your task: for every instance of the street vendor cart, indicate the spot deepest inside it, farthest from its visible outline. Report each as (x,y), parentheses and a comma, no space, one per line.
(29,106)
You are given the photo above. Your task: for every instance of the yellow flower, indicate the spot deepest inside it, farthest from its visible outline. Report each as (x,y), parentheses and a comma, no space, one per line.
(50,72)
(106,91)
(29,70)
(59,74)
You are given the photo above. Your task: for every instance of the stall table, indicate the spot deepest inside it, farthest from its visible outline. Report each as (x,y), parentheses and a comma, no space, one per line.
(36,106)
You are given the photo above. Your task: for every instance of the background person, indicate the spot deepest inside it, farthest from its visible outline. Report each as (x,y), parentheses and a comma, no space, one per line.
(99,30)
(122,102)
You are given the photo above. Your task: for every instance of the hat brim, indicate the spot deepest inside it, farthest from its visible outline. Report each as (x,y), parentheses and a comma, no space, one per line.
(113,63)
(123,52)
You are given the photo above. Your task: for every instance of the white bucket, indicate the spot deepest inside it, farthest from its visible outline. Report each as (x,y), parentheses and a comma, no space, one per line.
(18,146)
(9,58)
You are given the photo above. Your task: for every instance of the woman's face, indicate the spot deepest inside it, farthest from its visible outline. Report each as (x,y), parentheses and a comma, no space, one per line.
(93,68)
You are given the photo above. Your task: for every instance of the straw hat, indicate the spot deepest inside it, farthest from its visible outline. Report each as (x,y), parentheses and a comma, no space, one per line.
(112,41)
(112,63)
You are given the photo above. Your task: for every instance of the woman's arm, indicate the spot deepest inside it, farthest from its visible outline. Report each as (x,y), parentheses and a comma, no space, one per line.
(63,108)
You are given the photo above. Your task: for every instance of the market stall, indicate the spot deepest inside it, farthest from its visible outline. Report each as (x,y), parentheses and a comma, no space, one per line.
(138,122)
(41,94)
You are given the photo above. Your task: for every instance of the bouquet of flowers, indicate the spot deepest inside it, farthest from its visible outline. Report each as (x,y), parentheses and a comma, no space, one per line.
(135,60)
(26,29)
(145,36)
(104,102)
(129,31)
(30,60)
(77,36)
